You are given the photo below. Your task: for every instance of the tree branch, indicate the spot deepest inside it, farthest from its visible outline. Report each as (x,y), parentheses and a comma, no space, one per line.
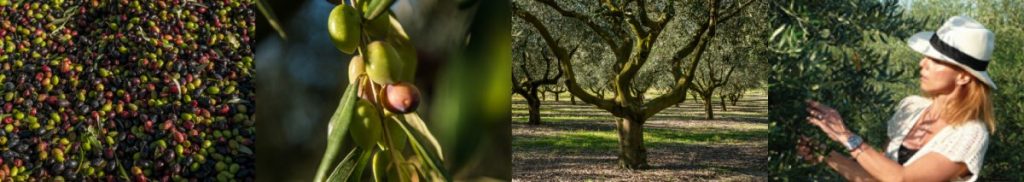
(564,62)
(605,36)
(735,11)
(524,68)
(517,86)
(678,92)
(547,80)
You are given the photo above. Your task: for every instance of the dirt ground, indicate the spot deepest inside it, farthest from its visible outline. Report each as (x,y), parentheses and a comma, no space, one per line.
(578,143)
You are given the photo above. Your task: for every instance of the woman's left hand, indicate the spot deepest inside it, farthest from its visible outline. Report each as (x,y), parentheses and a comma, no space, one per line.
(828,120)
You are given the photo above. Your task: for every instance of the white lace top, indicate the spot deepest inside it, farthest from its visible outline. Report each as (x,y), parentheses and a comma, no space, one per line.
(964,143)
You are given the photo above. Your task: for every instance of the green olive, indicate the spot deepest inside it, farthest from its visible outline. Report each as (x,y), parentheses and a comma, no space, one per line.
(383,63)
(343,25)
(356,67)
(365,126)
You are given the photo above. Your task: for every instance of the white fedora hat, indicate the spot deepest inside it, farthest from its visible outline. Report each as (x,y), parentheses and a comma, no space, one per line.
(960,41)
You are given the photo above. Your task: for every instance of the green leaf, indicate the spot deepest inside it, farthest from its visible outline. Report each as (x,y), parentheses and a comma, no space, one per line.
(379,166)
(244,149)
(336,130)
(431,156)
(414,121)
(349,169)
(396,155)
(777,32)
(363,160)
(375,8)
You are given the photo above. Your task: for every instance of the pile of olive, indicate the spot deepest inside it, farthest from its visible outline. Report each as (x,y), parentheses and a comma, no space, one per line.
(119,90)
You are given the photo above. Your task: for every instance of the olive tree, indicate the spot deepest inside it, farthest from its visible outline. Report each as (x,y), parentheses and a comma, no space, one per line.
(555,89)
(532,69)
(818,51)
(746,50)
(629,31)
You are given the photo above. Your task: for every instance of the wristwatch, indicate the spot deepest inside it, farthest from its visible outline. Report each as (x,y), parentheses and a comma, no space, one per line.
(853,142)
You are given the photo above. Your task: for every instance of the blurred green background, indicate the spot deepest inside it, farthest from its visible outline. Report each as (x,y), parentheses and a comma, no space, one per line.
(464,72)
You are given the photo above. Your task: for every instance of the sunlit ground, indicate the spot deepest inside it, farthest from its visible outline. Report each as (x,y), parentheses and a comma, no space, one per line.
(579,142)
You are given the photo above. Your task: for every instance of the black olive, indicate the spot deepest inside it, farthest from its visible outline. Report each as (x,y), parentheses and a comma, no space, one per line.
(84,88)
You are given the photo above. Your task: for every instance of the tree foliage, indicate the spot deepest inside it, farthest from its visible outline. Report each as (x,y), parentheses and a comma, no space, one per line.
(817,51)
(735,63)
(629,31)
(533,69)
(795,75)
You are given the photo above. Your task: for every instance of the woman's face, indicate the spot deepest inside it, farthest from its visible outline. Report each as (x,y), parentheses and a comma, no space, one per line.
(938,77)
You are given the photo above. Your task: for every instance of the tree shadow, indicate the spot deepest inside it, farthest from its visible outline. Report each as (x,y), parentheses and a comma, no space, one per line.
(578,150)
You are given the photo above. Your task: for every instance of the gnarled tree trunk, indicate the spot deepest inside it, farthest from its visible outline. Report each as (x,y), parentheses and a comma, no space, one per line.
(534,104)
(632,153)
(708,109)
(735,98)
(722,99)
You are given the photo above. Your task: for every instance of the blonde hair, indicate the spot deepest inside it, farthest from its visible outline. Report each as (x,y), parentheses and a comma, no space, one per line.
(972,103)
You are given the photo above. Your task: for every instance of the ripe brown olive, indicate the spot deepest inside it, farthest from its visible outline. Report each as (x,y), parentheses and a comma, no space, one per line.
(401,97)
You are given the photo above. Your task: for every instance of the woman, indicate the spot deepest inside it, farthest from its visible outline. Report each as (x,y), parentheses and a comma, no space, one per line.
(940,137)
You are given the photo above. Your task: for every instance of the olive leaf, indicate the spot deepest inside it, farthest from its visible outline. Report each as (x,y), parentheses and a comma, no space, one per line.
(417,123)
(337,128)
(431,156)
(350,168)
(396,156)
(244,149)
(374,8)
(379,166)
(363,161)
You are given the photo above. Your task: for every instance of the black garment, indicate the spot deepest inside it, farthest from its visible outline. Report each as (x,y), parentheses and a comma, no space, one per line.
(904,154)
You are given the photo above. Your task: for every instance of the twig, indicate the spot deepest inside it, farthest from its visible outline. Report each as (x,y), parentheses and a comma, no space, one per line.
(269,13)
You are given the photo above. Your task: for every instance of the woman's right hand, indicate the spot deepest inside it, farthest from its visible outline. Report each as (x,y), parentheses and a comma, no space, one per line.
(828,120)
(806,147)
